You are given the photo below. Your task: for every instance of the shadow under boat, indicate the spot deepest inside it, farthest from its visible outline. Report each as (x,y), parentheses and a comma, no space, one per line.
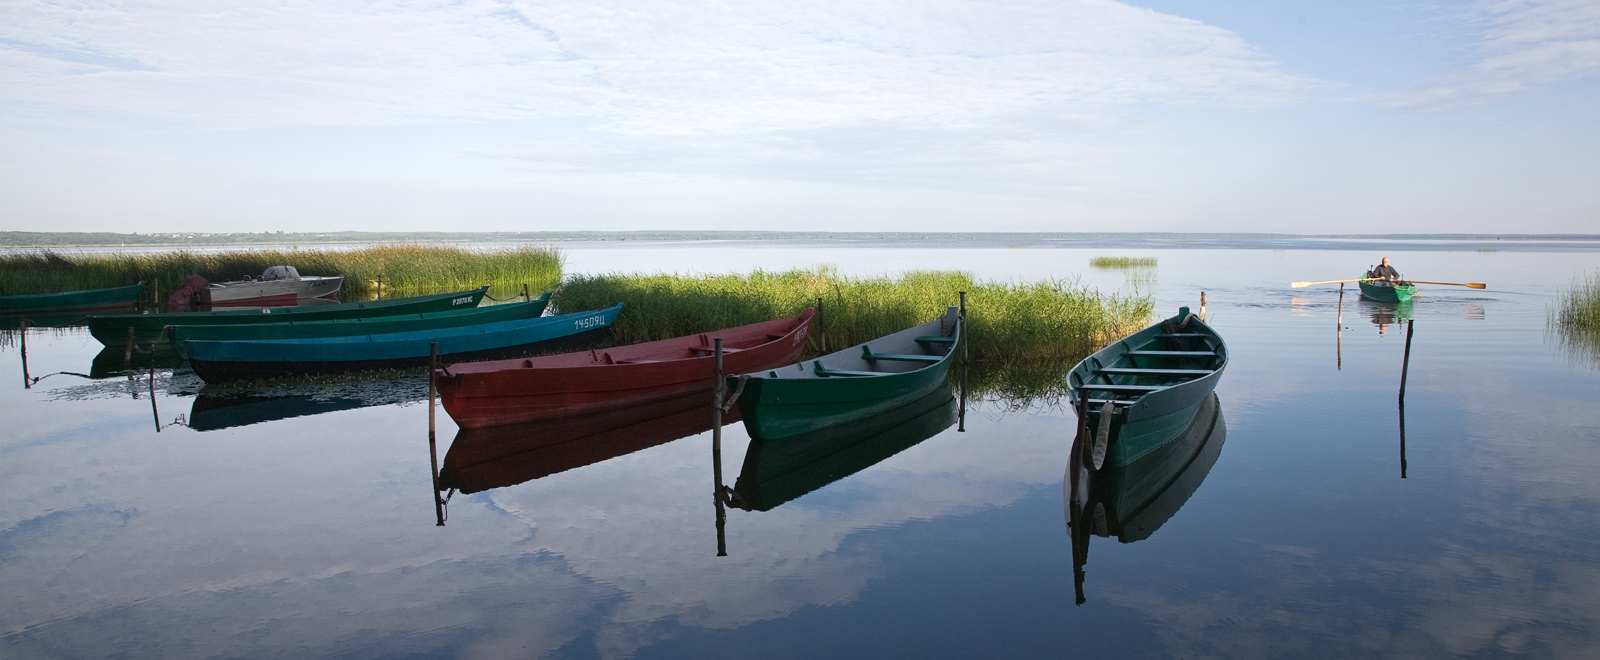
(1133,501)
(500,456)
(778,471)
(1384,314)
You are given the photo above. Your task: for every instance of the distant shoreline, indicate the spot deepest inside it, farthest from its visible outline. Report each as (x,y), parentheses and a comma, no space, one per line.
(14,240)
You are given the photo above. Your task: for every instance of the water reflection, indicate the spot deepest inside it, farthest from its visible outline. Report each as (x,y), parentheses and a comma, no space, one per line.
(779,471)
(1384,314)
(500,456)
(1133,501)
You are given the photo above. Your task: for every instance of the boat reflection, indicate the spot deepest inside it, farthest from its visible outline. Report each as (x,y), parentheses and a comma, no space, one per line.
(118,361)
(1385,314)
(778,471)
(500,456)
(212,412)
(1133,501)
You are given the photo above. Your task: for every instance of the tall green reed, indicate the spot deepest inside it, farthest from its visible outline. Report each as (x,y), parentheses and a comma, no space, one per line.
(1050,320)
(406,268)
(1576,317)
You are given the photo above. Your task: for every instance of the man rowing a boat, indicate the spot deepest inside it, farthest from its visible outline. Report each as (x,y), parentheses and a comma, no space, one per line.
(1384,271)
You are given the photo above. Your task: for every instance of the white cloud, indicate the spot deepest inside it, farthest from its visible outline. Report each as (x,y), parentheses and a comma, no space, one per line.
(1523,43)
(655,68)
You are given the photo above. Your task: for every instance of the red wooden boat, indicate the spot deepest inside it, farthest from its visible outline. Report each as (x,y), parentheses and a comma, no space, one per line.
(482,394)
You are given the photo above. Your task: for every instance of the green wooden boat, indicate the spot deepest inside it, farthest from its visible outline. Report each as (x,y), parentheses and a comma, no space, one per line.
(114,297)
(112,329)
(376,325)
(1153,382)
(779,471)
(220,361)
(1133,501)
(849,385)
(1389,292)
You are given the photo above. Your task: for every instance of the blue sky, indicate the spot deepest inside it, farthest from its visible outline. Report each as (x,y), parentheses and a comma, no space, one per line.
(1089,115)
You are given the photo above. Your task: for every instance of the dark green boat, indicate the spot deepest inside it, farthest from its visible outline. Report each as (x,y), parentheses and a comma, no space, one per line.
(849,385)
(1133,501)
(221,361)
(111,298)
(377,325)
(775,472)
(1151,383)
(112,329)
(1385,291)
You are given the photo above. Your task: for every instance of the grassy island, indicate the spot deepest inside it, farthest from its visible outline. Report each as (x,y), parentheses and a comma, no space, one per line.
(406,269)
(1040,321)
(1576,317)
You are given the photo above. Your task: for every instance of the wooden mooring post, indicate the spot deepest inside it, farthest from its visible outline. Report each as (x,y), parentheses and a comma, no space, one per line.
(961,320)
(433,443)
(718,390)
(822,334)
(22,328)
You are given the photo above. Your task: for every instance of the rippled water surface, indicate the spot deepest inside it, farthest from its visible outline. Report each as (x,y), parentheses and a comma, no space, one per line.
(296,520)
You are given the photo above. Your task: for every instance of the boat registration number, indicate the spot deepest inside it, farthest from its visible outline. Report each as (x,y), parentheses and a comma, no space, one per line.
(589,322)
(466,300)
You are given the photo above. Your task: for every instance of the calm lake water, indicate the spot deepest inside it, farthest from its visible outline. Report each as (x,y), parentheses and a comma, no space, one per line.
(287,521)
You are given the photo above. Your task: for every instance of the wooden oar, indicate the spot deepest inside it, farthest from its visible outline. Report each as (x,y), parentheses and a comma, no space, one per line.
(1299,285)
(1469,285)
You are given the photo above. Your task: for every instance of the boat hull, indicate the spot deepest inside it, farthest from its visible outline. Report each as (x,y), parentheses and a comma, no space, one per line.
(89,299)
(1388,293)
(112,329)
(515,391)
(1142,496)
(794,400)
(455,318)
(221,361)
(1147,422)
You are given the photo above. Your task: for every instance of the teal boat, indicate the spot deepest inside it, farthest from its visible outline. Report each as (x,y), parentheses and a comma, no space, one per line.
(220,361)
(51,303)
(1386,291)
(1150,384)
(376,325)
(857,382)
(1133,501)
(775,472)
(112,329)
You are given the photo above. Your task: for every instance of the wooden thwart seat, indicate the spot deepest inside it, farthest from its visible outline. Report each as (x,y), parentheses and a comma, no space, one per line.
(712,350)
(934,339)
(1135,371)
(1182,335)
(1123,388)
(867,354)
(1096,403)
(1171,353)
(826,372)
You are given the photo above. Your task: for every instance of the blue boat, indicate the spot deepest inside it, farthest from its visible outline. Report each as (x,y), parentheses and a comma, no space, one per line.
(220,361)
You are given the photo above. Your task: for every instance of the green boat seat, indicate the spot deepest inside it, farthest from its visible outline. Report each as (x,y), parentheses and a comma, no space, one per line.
(1182,335)
(1094,404)
(932,339)
(826,372)
(1134,371)
(1171,353)
(867,354)
(1123,388)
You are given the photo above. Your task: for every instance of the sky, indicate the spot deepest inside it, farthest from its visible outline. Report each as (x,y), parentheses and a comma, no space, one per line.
(929,115)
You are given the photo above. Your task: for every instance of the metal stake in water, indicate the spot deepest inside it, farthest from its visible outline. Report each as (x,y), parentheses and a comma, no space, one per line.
(717,388)
(433,443)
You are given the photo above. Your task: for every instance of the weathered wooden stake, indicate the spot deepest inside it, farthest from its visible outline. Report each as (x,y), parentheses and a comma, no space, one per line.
(1338,334)
(1202,305)
(155,294)
(127,351)
(23,328)
(1405,366)
(154,413)
(1402,438)
(964,341)
(525,296)
(717,388)
(433,443)
(822,334)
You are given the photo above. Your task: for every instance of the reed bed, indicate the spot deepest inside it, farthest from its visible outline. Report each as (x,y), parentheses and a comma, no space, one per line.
(405,269)
(1577,317)
(1123,262)
(1052,320)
